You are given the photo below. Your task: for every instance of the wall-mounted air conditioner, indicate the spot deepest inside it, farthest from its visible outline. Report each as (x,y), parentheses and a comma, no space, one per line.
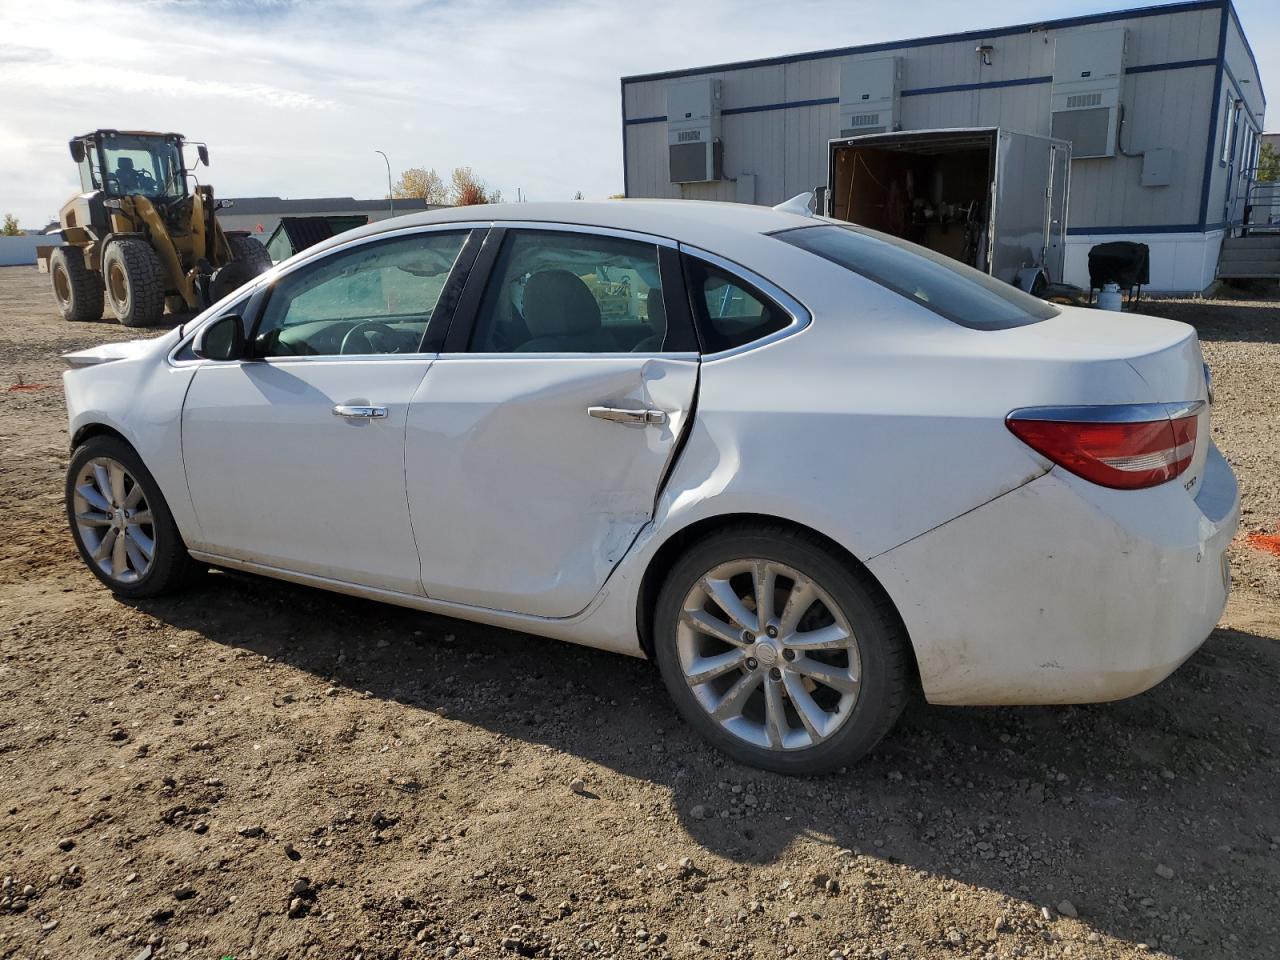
(693,130)
(869,96)
(1088,68)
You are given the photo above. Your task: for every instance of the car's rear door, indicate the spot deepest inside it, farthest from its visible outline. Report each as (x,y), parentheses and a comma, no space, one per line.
(295,457)
(538,440)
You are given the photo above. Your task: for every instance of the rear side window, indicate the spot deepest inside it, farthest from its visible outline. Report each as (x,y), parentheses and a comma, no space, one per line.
(948,287)
(729,311)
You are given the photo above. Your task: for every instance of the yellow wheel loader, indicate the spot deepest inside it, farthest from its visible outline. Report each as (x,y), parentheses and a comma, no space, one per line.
(140,236)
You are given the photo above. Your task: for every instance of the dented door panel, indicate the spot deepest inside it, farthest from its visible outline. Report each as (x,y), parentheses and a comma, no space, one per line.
(521,500)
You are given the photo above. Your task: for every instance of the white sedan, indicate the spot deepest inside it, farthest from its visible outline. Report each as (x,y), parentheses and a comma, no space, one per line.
(805,467)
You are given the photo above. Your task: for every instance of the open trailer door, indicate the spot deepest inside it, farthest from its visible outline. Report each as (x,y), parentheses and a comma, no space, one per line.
(991,198)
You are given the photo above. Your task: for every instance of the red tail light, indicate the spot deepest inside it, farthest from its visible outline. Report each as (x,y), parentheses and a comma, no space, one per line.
(1123,447)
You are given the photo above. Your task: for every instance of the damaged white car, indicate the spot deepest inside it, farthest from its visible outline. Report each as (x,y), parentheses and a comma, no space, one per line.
(804,467)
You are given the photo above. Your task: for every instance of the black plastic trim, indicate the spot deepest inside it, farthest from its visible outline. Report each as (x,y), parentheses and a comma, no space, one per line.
(681,335)
(433,338)
(464,316)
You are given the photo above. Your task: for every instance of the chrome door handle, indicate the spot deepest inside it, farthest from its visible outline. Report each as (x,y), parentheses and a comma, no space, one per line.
(359,413)
(643,417)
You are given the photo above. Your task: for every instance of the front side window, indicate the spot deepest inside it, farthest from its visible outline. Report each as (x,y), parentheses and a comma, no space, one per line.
(561,292)
(375,298)
(948,287)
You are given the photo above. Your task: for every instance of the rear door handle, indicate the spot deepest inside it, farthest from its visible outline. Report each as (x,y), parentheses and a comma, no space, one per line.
(644,417)
(351,412)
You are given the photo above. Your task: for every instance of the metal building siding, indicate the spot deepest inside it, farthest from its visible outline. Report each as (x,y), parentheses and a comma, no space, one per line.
(1164,109)
(786,148)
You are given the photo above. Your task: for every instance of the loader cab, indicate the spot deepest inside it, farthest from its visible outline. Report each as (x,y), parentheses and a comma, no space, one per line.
(128,164)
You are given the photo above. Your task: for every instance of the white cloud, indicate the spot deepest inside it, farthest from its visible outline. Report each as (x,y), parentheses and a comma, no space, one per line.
(293,98)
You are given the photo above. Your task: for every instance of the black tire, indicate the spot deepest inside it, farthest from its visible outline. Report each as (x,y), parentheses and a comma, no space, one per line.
(170,565)
(77,289)
(176,305)
(881,645)
(134,280)
(248,250)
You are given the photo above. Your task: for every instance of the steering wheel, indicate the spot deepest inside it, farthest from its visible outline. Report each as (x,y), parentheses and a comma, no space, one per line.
(364,328)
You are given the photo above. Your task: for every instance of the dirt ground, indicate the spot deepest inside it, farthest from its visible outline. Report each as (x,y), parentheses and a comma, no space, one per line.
(255,769)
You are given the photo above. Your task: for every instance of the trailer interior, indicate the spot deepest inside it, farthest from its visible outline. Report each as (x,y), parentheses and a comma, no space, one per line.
(934,192)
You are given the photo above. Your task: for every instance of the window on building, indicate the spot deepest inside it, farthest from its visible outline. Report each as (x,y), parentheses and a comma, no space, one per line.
(1229,120)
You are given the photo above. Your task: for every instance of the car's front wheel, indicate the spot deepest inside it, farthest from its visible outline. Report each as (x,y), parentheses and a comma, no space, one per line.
(120,521)
(778,651)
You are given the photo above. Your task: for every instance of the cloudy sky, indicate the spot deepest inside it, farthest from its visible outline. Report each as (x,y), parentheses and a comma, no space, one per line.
(294,97)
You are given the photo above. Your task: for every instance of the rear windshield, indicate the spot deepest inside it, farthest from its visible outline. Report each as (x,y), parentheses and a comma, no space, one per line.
(947,287)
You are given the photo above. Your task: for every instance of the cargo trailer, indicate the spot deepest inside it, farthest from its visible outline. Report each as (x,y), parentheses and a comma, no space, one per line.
(992,198)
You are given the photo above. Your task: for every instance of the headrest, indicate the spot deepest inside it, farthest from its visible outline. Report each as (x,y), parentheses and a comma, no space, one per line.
(557,302)
(124,163)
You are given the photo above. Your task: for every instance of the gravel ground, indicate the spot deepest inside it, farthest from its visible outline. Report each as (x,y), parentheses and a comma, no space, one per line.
(255,769)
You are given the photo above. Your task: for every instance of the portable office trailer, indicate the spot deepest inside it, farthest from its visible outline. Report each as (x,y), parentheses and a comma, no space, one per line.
(1163,106)
(994,199)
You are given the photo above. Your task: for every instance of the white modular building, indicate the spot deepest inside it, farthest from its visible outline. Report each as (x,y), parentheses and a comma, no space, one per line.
(1163,107)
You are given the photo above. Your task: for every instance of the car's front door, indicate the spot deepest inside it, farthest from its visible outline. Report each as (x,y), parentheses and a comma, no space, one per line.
(538,440)
(295,456)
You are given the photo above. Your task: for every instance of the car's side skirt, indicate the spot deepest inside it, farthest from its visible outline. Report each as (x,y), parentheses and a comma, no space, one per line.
(581,628)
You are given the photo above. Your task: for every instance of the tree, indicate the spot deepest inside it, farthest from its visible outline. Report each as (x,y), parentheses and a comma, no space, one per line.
(1268,164)
(10,228)
(468,189)
(419,184)
(617,196)
(578,195)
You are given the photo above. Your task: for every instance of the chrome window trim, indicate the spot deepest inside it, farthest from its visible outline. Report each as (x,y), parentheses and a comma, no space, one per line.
(551,355)
(799,314)
(1110,412)
(293,264)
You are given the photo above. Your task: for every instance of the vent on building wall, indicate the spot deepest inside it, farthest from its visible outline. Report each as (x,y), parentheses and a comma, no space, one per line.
(1080,100)
(1088,69)
(869,95)
(694,150)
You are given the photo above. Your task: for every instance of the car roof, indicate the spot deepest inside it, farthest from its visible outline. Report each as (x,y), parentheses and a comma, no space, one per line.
(697,222)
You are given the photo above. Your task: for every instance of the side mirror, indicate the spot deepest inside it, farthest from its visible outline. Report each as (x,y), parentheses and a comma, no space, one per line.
(203,153)
(77,150)
(223,339)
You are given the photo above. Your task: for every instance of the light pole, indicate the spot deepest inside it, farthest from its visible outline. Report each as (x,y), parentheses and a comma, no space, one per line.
(391,191)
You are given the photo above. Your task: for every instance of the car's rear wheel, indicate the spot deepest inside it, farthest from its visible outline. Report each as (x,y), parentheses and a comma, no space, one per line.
(120,521)
(779,652)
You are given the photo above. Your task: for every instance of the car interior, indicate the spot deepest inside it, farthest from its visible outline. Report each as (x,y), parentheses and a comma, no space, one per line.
(549,292)
(572,293)
(370,300)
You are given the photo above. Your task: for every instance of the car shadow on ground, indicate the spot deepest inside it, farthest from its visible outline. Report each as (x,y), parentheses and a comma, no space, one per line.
(1044,804)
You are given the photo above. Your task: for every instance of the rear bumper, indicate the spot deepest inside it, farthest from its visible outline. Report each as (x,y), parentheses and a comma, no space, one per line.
(1062,591)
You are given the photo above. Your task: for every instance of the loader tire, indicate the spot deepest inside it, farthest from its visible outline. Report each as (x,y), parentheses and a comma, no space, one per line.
(250,251)
(176,305)
(135,282)
(77,289)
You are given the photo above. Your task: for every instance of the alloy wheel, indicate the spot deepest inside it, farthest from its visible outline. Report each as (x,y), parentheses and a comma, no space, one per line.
(769,654)
(113,520)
